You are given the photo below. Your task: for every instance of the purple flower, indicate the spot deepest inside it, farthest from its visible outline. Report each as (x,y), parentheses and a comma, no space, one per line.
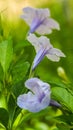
(43,47)
(39,20)
(38,98)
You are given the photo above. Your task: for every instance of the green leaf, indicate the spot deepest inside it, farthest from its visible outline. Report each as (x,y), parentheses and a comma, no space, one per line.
(18,88)
(6,53)
(1,73)
(11,109)
(65,118)
(1,87)
(63,96)
(29,116)
(63,127)
(4,117)
(41,126)
(19,71)
(2,127)
(21,45)
(3,102)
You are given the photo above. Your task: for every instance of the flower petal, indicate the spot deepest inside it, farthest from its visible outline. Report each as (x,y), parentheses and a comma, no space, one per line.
(43,47)
(34,41)
(39,21)
(42,30)
(45,42)
(39,42)
(37,86)
(29,14)
(51,23)
(53,57)
(42,13)
(30,102)
(55,54)
(47,25)
(39,99)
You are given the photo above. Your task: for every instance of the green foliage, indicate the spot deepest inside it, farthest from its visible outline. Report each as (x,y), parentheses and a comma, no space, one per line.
(11,109)
(63,127)
(6,53)
(3,102)
(64,97)
(19,71)
(4,117)
(65,118)
(21,45)
(1,73)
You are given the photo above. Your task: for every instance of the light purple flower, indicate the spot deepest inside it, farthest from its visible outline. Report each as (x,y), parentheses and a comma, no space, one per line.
(38,98)
(39,20)
(43,47)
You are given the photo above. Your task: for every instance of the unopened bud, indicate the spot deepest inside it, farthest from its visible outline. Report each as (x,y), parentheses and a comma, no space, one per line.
(62,74)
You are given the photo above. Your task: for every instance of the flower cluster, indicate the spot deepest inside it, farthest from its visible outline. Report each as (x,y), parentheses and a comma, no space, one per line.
(38,96)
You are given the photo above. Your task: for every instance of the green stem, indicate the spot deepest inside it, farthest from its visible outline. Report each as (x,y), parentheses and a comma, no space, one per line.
(4,81)
(18,119)
(31,73)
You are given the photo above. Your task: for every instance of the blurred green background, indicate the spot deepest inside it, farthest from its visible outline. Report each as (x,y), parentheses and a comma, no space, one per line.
(12,26)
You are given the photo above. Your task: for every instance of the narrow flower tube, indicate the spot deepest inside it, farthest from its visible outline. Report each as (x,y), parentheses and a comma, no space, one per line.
(39,20)
(40,55)
(38,98)
(55,103)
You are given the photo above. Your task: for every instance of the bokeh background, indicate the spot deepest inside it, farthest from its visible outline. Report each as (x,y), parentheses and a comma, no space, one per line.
(12,25)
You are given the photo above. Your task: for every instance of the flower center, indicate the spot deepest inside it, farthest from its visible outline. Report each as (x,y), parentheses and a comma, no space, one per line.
(35,24)
(41,97)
